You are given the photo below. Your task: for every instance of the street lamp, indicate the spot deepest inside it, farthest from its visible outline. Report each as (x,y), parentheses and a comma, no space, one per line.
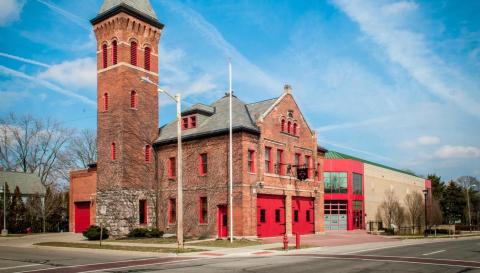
(425,193)
(4,190)
(468,206)
(177,98)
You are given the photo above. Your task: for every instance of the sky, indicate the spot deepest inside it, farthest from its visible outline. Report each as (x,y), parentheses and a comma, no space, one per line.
(394,82)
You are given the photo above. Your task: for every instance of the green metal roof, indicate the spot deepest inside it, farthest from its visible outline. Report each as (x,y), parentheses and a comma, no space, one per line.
(337,155)
(28,183)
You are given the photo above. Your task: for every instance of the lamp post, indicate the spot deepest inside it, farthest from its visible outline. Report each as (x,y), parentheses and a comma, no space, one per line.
(425,193)
(177,98)
(4,190)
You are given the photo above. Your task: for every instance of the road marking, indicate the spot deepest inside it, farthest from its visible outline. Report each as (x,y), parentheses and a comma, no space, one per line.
(380,248)
(19,266)
(435,252)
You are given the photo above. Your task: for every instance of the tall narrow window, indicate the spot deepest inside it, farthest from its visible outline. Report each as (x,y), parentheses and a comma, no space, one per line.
(133,99)
(203,210)
(289,127)
(279,169)
(193,121)
(251,161)
(268,160)
(104,55)
(203,164)
(114,52)
(172,211)
(148,153)
(147,58)
(113,151)
(172,167)
(142,212)
(283,125)
(308,166)
(105,102)
(133,53)
(185,123)
(295,129)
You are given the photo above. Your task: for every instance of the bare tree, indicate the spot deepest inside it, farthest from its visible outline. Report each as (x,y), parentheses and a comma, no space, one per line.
(390,210)
(435,213)
(83,148)
(415,209)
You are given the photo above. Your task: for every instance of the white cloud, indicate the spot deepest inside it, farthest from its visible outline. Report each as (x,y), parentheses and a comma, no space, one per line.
(76,74)
(388,26)
(448,151)
(428,140)
(203,84)
(348,125)
(70,16)
(10,11)
(25,60)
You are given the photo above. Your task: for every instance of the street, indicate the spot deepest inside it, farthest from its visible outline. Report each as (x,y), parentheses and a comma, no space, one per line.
(453,255)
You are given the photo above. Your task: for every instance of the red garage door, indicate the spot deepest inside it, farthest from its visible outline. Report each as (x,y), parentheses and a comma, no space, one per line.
(82,216)
(270,215)
(302,215)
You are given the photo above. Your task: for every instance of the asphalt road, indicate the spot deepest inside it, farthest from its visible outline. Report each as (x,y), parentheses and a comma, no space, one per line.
(450,256)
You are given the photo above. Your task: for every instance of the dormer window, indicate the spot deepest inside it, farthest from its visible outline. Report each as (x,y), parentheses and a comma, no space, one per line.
(193,121)
(189,122)
(185,123)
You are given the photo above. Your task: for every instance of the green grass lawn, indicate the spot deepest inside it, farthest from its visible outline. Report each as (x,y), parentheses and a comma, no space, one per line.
(226,243)
(119,247)
(170,240)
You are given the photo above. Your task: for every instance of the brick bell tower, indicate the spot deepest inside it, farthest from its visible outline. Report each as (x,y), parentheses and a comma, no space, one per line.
(127,33)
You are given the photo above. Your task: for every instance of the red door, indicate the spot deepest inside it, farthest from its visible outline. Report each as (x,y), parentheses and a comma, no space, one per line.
(302,215)
(270,215)
(82,216)
(222,221)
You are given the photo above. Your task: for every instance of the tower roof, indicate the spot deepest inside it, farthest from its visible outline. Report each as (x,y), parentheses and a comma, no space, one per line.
(140,9)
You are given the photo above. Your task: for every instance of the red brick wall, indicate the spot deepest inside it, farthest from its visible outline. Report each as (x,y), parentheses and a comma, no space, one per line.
(83,184)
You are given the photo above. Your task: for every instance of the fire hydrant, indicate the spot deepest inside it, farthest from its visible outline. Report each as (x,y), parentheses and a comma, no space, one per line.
(285,242)
(297,240)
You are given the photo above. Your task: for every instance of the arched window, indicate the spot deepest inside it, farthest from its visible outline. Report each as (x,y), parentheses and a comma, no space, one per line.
(133,53)
(147,58)
(283,125)
(289,127)
(148,153)
(113,151)
(114,52)
(104,55)
(295,129)
(133,99)
(105,102)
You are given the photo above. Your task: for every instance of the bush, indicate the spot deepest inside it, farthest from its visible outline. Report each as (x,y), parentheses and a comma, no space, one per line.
(145,233)
(93,233)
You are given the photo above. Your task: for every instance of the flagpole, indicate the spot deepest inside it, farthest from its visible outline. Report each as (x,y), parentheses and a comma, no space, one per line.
(230,159)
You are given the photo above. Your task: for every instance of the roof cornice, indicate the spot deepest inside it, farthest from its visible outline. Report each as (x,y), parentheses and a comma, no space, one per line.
(130,11)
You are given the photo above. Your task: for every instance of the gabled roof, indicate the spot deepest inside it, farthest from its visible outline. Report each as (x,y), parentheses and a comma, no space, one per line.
(28,183)
(217,122)
(140,9)
(337,155)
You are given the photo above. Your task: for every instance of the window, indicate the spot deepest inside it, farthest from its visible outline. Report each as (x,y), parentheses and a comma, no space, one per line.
(203,213)
(357,183)
(148,153)
(172,211)
(185,123)
(105,102)
(280,169)
(193,121)
(172,167)
(262,216)
(105,55)
(295,216)
(283,125)
(277,216)
(133,53)
(142,212)
(251,161)
(113,151)
(268,160)
(307,216)
(297,160)
(308,165)
(357,205)
(147,58)
(114,52)
(335,182)
(295,129)
(203,164)
(289,127)
(133,99)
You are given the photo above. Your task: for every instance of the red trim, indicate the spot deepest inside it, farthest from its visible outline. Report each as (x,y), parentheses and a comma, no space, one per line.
(283,125)
(133,99)
(105,102)
(133,53)
(184,123)
(295,129)
(193,122)
(148,153)
(201,218)
(114,52)
(113,151)
(147,58)
(203,164)
(105,55)
(289,127)
(171,167)
(172,211)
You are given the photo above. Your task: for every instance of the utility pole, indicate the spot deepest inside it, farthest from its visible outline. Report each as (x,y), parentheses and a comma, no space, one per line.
(230,155)
(4,230)
(179,174)
(425,193)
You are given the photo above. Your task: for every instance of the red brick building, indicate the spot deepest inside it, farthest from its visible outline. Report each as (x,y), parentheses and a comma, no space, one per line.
(134,182)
